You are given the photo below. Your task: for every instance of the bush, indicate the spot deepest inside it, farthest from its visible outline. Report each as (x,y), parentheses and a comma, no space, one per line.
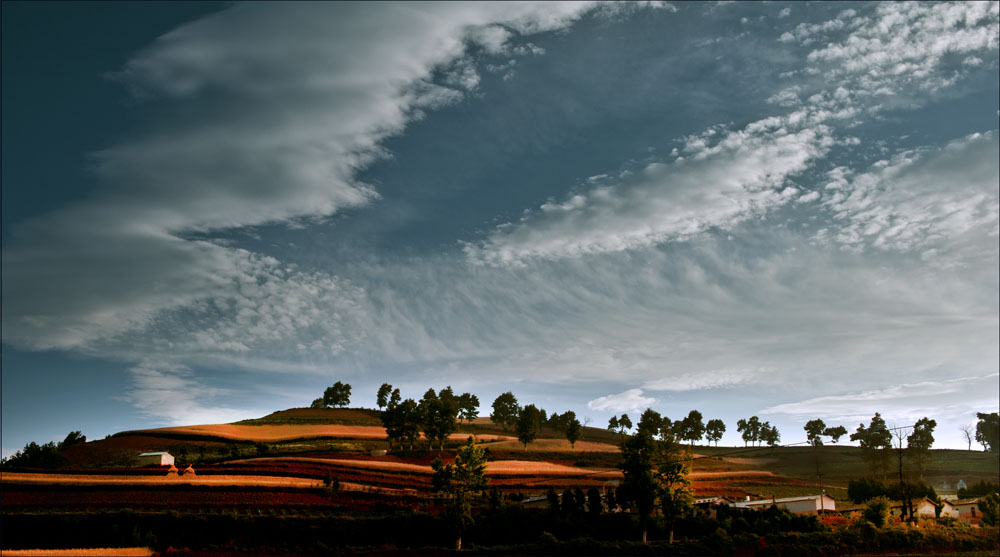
(876,512)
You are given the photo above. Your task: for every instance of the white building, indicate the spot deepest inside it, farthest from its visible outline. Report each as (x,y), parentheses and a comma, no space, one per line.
(156,459)
(925,508)
(804,504)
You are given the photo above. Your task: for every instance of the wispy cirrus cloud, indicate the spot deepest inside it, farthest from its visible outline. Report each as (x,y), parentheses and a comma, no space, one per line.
(274,110)
(949,400)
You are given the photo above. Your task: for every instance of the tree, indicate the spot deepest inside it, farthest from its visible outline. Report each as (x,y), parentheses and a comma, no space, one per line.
(770,434)
(654,473)
(318,403)
(814,432)
(835,433)
(382,399)
(461,483)
(402,421)
(918,443)
(970,434)
(468,407)
(749,429)
(438,414)
(573,432)
(988,431)
(625,423)
(338,394)
(505,410)
(594,505)
(613,424)
(990,507)
(650,423)
(73,438)
(693,427)
(714,430)
(528,423)
(36,456)
(876,444)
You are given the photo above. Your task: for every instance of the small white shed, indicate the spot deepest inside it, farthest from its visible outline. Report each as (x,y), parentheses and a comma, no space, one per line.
(156,459)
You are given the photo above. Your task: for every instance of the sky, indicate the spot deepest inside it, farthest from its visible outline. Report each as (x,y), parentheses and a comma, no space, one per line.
(212,211)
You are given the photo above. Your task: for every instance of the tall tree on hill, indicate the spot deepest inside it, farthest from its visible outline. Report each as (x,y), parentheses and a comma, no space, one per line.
(918,443)
(462,483)
(988,431)
(969,433)
(624,423)
(650,423)
(814,432)
(468,407)
(749,429)
(528,423)
(770,434)
(505,410)
(613,424)
(338,394)
(835,433)
(693,427)
(438,412)
(714,430)
(573,430)
(876,445)
(382,398)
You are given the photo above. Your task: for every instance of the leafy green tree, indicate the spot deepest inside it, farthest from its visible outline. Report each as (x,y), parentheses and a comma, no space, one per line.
(338,394)
(692,427)
(382,398)
(714,430)
(835,433)
(625,423)
(876,511)
(462,484)
(876,444)
(770,434)
(395,398)
(318,403)
(573,431)
(613,424)
(990,507)
(749,430)
(814,432)
(654,473)
(468,407)
(73,438)
(528,423)
(988,431)
(35,456)
(650,423)
(410,421)
(505,410)
(438,414)
(918,443)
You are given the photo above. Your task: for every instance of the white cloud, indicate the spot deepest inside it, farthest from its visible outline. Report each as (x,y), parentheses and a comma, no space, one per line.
(900,204)
(720,181)
(952,400)
(310,92)
(903,44)
(709,379)
(628,401)
(169,391)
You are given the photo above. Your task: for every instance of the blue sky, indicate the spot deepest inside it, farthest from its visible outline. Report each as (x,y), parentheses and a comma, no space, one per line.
(212,211)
